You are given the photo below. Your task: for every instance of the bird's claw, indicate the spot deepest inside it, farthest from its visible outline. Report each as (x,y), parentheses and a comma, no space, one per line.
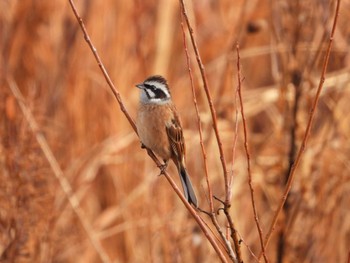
(163,167)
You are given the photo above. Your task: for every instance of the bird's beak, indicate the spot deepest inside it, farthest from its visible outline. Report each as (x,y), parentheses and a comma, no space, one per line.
(140,86)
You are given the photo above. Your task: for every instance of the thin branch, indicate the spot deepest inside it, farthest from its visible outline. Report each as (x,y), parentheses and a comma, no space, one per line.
(235,138)
(234,235)
(204,155)
(57,171)
(230,252)
(208,94)
(210,193)
(150,153)
(231,226)
(212,214)
(198,219)
(227,202)
(249,249)
(307,131)
(248,156)
(100,64)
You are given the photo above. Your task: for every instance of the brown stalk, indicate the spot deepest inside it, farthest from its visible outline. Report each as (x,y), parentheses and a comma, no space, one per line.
(209,99)
(256,218)
(204,155)
(231,226)
(235,138)
(200,131)
(212,214)
(198,219)
(307,131)
(57,171)
(228,246)
(150,153)
(234,235)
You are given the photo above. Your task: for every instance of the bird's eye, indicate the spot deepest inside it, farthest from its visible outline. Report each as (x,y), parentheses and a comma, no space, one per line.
(151,87)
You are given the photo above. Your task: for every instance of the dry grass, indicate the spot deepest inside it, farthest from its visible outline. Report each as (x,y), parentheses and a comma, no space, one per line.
(129,208)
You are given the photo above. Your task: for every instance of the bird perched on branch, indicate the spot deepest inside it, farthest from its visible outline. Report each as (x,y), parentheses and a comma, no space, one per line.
(158,125)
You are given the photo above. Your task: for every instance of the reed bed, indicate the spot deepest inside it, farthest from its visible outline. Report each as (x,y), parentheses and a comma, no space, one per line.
(75,185)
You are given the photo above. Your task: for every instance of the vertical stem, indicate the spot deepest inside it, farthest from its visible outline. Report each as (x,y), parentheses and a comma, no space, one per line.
(256,218)
(209,99)
(307,131)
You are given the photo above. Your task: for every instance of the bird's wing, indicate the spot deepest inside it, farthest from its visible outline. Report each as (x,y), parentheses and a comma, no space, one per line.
(176,138)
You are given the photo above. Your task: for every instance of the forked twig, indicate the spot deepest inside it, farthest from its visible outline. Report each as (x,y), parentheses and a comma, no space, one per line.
(150,153)
(211,214)
(307,131)
(235,257)
(256,218)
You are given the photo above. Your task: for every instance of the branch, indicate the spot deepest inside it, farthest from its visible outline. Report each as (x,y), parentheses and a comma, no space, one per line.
(204,155)
(150,153)
(256,218)
(307,131)
(208,94)
(235,258)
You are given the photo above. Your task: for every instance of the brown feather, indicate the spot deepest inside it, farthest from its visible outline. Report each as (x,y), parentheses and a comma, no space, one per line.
(176,140)
(159,128)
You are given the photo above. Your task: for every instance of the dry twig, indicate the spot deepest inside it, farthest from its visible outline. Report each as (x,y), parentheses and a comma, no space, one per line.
(307,131)
(237,257)
(204,155)
(209,99)
(150,153)
(256,218)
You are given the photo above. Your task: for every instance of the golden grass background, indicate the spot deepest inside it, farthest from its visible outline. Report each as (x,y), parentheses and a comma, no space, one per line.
(133,211)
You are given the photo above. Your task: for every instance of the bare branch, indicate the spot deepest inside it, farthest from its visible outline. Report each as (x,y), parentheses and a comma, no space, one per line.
(204,155)
(150,153)
(307,131)
(256,218)
(208,94)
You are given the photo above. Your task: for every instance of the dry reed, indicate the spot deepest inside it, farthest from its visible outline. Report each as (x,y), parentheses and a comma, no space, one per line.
(134,213)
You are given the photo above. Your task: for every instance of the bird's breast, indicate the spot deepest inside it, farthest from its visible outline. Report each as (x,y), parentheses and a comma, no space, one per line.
(151,126)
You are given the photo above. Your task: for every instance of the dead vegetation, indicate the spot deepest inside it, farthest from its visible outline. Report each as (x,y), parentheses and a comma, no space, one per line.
(122,202)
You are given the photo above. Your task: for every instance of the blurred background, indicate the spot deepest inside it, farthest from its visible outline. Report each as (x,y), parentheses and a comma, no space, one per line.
(132,210)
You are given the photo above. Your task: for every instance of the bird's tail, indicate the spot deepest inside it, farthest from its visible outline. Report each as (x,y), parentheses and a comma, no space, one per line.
(187,186)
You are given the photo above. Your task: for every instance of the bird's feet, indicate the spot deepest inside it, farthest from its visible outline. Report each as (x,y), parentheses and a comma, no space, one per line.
(143,146)
(163,167)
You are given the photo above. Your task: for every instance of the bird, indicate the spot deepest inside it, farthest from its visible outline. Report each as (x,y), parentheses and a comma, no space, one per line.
(159,129)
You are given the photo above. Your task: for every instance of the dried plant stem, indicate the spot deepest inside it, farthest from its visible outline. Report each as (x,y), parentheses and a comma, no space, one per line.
(100,64)
(234,236)
(56,169)
(307,131)
(256,218)
(235,138)
(231,226)
(204,155)
(208,94)
(150,153)
(198,219)
(235,258)
(228,246)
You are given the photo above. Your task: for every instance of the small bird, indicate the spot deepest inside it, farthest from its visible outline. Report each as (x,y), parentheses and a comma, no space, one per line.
(158,125)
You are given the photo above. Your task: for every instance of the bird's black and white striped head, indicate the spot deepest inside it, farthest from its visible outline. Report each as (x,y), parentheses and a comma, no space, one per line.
(154,90)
